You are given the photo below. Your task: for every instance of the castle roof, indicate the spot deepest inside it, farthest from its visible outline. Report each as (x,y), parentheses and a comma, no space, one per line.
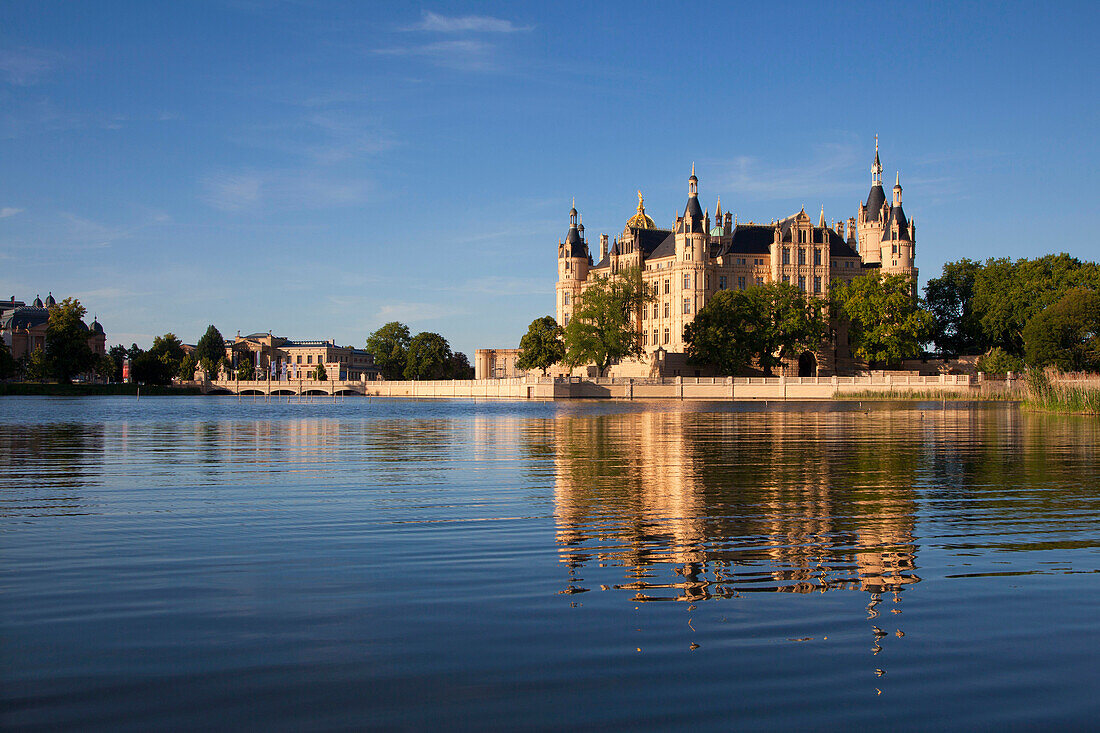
(25,317)
(896,218)
(875,199)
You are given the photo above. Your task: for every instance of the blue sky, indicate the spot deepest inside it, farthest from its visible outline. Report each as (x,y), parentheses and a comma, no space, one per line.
(320,169)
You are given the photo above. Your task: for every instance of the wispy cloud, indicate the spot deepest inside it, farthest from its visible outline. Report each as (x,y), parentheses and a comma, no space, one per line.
(826,172)
(436,23)
(291,190)
(7,211)
(414,312)
(461,55)
(26,66)
(503,285)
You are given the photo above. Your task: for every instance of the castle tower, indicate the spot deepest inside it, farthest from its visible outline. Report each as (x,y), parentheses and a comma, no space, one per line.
(573,263)
(898,246)
(689,282)
(872,215)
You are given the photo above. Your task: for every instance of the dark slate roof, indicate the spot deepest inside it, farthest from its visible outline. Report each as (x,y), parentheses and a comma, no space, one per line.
(667,247)
(649,239)
(576,244)
(875,199)
(750,239)
(897,217)
(693,210)
(97,327)
(25,317)
(872,265)
(838,247)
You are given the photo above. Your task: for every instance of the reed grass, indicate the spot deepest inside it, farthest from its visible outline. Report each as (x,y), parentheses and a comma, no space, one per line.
(925,395)
(1061,398)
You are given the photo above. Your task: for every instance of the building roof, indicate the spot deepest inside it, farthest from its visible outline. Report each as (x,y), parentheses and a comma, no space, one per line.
(838,247)
(750,239)
(875,199)
(896,217)
(25,317)
(667,247)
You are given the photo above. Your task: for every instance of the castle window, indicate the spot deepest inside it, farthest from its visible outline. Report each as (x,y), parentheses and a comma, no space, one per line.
(687,280)
(687,305)
(566,320)
(802,283)
(565,298)
(666,309)
(309,359)
(817,284)
(655,311)
(666,335)
(759,280)
(801,256)
(645,338)
(817,257)
(802,236)
(721,282)
(834,263)
(786,256)
(655,337)
(666,286)
(740,283)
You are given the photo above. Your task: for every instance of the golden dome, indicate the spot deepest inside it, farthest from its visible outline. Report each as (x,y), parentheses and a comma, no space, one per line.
(640,220)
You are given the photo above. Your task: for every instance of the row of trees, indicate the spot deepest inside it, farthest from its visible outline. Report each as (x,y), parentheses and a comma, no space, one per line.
(66,354)
(1041,312)
(400,355)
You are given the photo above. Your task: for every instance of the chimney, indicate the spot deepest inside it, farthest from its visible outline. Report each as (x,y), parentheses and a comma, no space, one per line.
(603,247)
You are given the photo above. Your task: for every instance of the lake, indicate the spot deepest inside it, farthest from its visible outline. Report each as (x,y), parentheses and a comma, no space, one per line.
(195,563)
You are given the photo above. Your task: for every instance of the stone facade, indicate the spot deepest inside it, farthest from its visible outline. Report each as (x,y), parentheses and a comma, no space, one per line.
(694,259)
(298,359)
(23,327)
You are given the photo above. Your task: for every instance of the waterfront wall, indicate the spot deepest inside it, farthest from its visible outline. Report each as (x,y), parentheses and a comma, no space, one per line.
(677,388)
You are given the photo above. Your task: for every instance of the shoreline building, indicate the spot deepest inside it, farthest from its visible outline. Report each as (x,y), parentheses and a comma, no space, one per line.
(296,359)
(23,327)
(685,265)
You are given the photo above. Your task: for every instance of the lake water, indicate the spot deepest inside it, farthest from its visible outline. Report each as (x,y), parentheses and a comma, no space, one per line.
(198,563)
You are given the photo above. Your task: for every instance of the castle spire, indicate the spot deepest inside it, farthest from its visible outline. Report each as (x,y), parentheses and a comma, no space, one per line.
(876,167)
(897,189)
(821,221)
(693,182)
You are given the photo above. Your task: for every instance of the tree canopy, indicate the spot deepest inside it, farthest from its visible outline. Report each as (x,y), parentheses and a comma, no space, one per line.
(764,323)
(885,323)
(67,352)
(541,347)
(390,345)
(7,363)
(603,329)
(429,357)
(956,328)
(1008,293)
(1066,334)
(210,349)
(319,372)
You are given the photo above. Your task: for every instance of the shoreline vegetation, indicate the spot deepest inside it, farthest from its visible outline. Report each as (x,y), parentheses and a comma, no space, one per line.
(54,389)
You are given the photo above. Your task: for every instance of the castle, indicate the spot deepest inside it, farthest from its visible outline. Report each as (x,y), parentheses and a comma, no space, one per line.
(687,264)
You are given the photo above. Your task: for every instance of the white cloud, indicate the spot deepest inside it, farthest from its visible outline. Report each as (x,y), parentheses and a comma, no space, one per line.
(827,172)
(289,189)
(436,23)
(7,211)
(26,66)
(462,55)
(511,286)
(230,192)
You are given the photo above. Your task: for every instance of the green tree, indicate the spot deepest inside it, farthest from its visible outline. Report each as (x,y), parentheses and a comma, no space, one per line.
(8,366)
(603,329)
(390,346)
(541,347)
(1008,293)
(188,366)
(210,349)
(429,357)
(245,370)
(104,367)
(1066,335)
(999,361)
(764,323)
(957,328)
(148,368)
(117,353)
(169,350)
(885,323)
(460,367)
(67,350)
(34,366)
(319,372)
(725,331)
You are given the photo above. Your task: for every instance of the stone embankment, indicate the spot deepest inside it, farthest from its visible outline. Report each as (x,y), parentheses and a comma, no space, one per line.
(676,388)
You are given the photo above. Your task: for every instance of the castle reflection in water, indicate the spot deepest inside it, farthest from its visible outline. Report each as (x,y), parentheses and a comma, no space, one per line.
(696,505)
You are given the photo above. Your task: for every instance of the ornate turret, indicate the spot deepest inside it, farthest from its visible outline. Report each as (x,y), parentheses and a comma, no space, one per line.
(50,301)
(38,302)
(872,215)
(693,213)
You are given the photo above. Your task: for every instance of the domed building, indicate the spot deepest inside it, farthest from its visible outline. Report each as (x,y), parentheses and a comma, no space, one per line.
(23,327)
